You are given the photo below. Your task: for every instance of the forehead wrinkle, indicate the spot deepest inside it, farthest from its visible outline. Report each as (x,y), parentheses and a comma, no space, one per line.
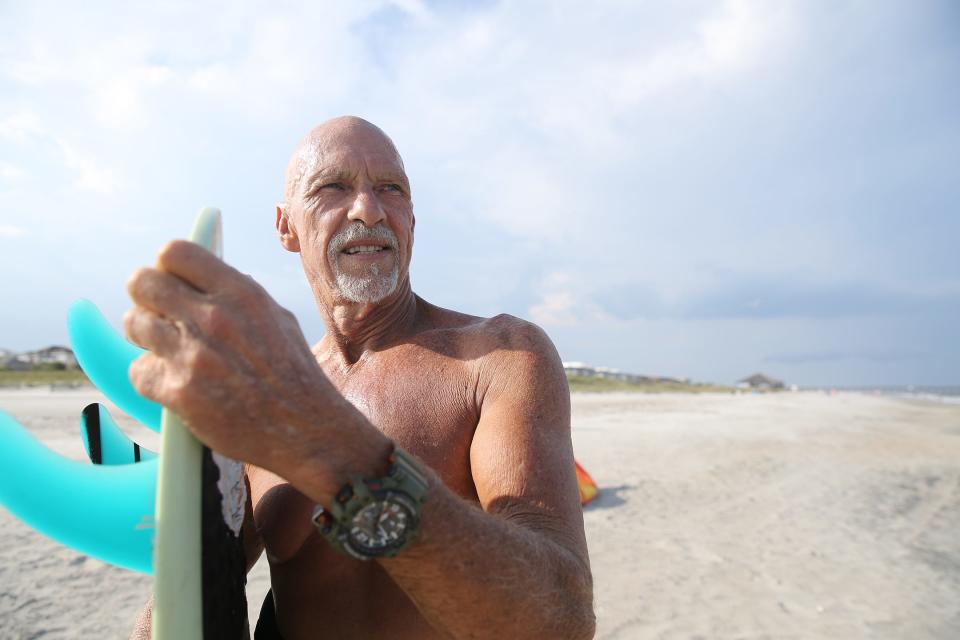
(325,174)
(340,169)
(392,176)
(305,157)
(329,137)
(330,172)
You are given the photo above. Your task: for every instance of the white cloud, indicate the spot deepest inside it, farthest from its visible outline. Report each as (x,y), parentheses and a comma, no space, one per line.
(283,64)
(108,70)
(262,63)
(416,8)
(90,174)
(564,301)
(462,82)
(556,304)
(10,231)
(527,113)
(742,37)
(122,101)
(27,130)
(555,309)
(11,173)
(648,148)
(21,126)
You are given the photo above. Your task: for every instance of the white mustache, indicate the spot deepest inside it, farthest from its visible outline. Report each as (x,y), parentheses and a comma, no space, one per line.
(360,231)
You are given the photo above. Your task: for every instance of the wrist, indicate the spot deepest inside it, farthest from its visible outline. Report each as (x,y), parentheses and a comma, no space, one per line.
(376,517)
(328,457)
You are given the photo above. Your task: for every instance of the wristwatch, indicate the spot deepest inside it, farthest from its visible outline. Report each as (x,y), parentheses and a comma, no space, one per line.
(373,518)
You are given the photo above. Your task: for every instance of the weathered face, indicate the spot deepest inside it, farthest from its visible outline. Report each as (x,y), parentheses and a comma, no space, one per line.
(349,212)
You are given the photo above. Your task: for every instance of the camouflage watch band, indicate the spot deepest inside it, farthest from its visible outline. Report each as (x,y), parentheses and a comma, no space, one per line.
(378,517)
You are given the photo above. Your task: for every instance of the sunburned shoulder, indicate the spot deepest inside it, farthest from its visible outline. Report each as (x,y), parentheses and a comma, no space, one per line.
(490,336)
(507,356)
(520,362)
(513,333)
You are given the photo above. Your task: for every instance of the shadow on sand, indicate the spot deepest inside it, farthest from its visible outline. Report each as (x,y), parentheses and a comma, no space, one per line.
(609,497)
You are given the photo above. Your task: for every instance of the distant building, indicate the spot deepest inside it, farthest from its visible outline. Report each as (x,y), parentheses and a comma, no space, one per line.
(609,372)
(586,370)
(579,369)
(589,371)
(15,364)
(760,382)
(50,355)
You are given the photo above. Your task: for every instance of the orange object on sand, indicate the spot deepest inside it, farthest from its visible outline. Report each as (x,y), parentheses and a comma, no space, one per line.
(588,488)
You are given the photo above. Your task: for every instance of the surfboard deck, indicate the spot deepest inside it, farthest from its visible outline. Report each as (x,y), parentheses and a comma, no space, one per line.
(199,564)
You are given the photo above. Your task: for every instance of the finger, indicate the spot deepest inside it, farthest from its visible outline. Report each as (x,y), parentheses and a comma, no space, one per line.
(151,331)
(197,266)
(146,376)
(163,293)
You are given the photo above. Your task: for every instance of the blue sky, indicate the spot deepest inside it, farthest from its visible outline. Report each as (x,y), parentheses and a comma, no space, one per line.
(698,189)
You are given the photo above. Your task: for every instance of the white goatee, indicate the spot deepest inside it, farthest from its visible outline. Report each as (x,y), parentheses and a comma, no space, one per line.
(373,286)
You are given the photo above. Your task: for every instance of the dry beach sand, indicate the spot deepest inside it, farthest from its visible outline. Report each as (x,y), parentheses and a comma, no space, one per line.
(799,515)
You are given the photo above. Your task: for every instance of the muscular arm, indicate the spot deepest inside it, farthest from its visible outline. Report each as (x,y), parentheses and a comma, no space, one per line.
(518,568)
(235,366)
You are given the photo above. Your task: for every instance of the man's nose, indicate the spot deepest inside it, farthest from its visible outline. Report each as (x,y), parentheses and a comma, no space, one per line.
(366,208)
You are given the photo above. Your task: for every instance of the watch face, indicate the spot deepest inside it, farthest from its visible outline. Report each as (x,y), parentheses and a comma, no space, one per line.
(380,526)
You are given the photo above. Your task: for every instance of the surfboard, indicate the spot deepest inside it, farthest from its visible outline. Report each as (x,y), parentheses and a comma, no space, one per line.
(199,564)
(177,515)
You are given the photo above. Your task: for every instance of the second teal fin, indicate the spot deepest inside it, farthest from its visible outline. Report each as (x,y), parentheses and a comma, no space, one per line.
(105,442)
(103,511)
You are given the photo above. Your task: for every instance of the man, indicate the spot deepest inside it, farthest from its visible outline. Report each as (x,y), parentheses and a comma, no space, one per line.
(483,535)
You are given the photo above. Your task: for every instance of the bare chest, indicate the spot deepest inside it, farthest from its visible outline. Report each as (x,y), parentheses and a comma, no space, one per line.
(424,403)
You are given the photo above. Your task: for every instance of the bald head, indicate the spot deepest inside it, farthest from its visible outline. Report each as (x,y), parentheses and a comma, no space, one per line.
(327,137)
(346,185)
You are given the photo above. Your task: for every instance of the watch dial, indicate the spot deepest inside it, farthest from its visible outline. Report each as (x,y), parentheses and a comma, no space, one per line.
(379,526)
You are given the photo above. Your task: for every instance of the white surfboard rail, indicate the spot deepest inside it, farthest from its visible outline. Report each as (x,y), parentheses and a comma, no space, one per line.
(178,597)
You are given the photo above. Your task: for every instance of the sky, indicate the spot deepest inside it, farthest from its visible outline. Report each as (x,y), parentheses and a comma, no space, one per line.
(691,189)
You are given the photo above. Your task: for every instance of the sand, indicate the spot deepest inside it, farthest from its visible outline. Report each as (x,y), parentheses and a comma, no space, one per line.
(800,515)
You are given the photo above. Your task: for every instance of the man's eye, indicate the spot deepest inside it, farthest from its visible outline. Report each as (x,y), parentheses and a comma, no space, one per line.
(391,187)
(333,185)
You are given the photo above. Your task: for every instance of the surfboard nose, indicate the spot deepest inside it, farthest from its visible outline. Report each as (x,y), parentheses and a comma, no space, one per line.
(102,511)
(105,356)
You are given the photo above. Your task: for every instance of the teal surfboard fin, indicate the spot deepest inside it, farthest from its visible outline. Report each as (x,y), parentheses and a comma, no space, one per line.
(105,356)
(102,511)
(105,442)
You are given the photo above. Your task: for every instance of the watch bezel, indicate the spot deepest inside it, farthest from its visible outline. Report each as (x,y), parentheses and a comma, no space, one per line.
(362,551)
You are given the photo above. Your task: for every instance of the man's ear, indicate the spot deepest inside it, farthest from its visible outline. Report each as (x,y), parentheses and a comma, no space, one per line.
(288,235)
(413,225)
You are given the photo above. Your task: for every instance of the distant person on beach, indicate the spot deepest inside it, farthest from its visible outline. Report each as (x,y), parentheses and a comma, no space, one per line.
(465,420)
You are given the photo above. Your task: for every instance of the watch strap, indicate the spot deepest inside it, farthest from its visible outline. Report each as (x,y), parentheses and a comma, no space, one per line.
(405,483)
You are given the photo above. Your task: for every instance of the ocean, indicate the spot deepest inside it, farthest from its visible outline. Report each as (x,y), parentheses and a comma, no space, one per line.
(945,393)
